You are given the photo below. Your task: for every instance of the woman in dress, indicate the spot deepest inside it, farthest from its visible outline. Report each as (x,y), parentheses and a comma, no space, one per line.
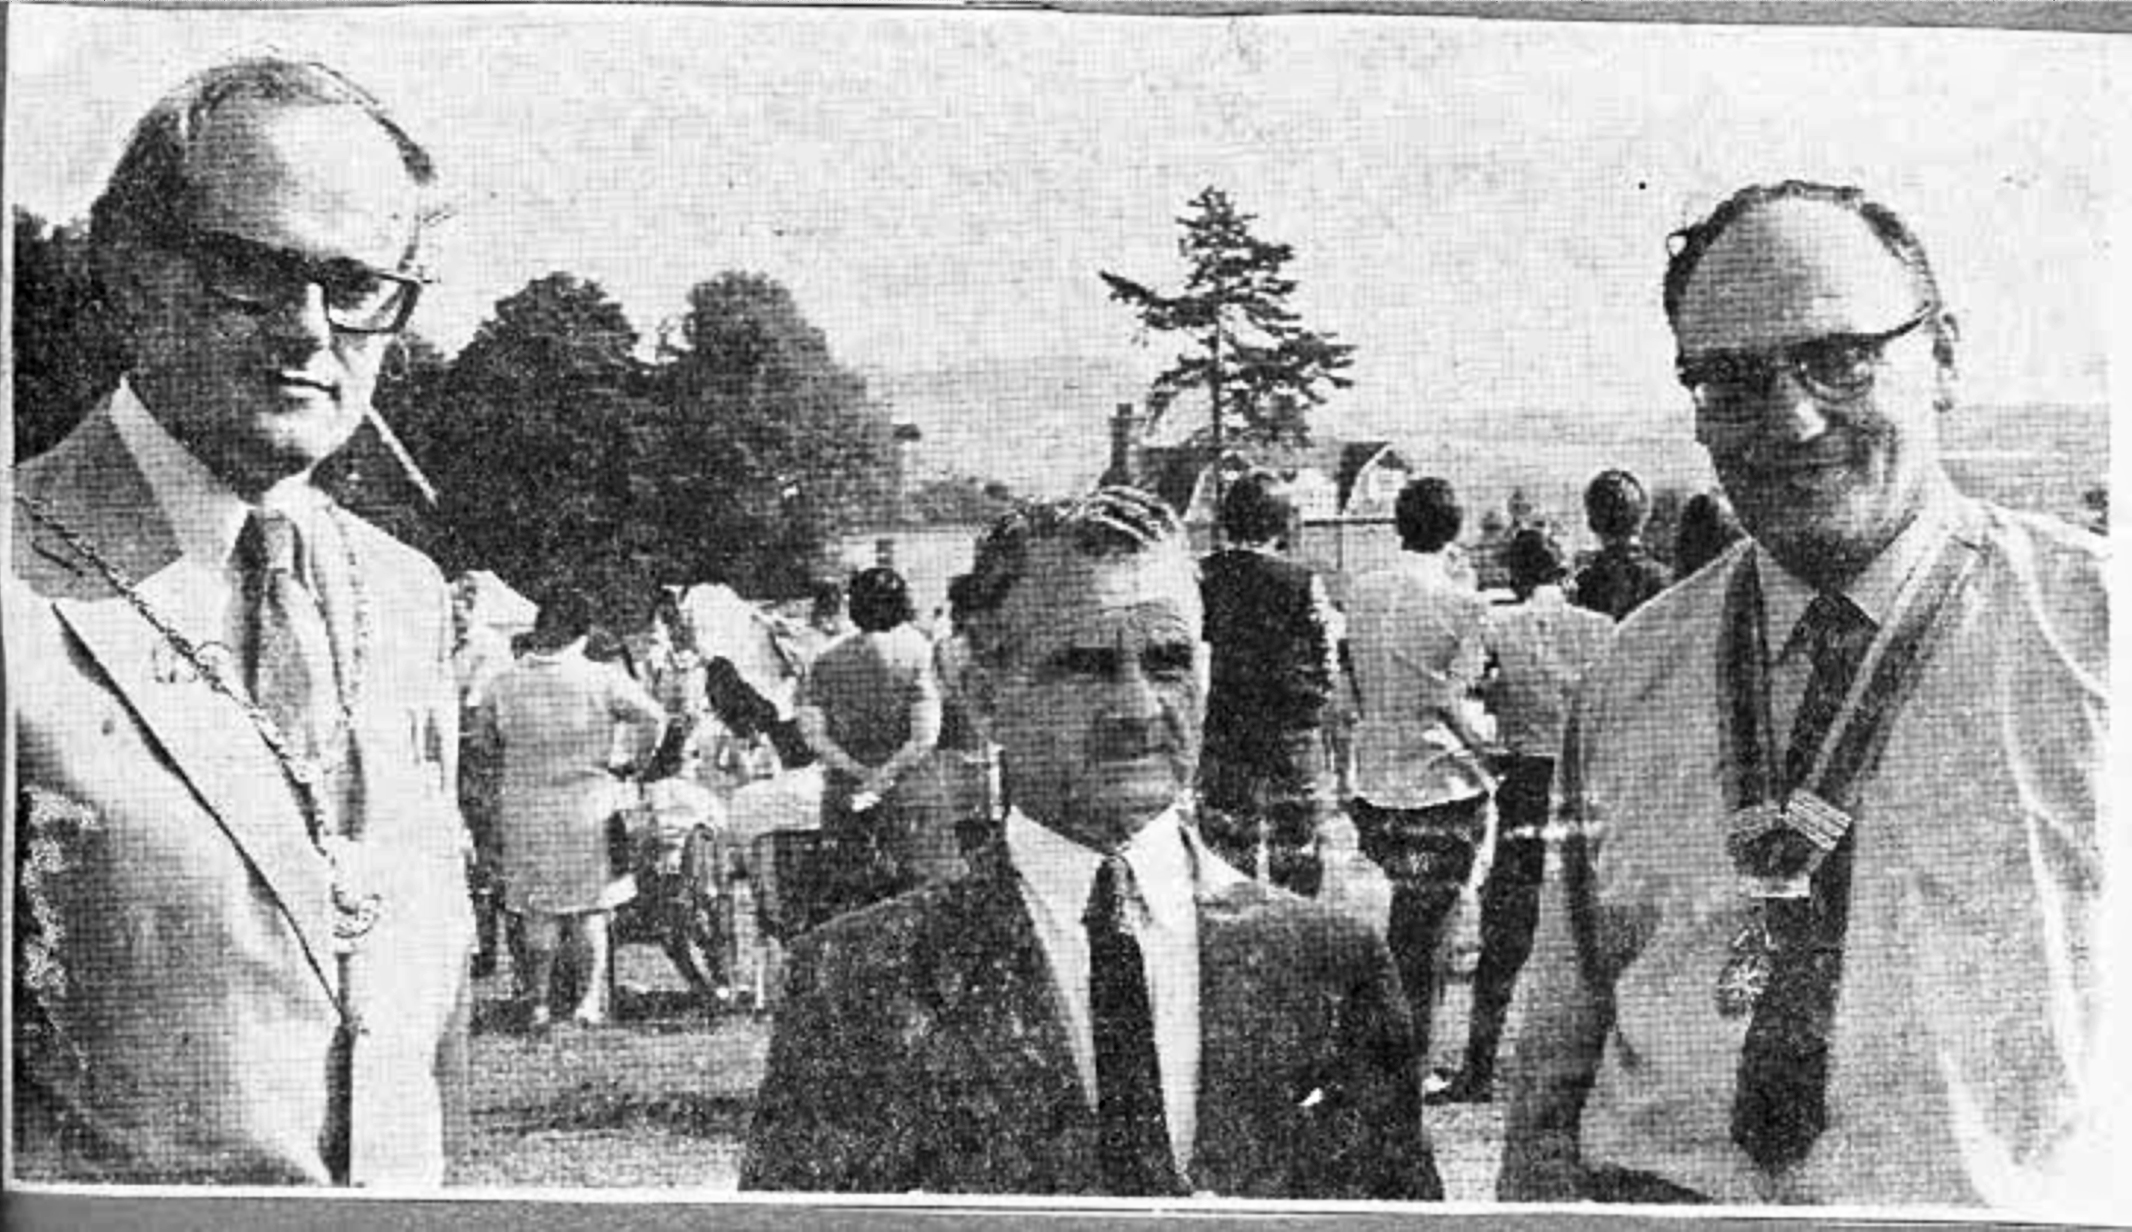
(556,717)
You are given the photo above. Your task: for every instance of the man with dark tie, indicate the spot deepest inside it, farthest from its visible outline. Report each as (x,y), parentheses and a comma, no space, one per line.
(1830,929)
(242,917)
(1102,1006)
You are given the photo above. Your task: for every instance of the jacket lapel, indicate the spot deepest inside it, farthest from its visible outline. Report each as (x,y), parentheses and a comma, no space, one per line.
(1002,1016)
(210,743)
(1251,1030)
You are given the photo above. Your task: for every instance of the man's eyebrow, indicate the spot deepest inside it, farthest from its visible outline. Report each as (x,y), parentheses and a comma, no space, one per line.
(1094,660)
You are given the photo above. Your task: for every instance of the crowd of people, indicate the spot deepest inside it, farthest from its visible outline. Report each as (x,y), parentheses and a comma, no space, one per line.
(1808,851)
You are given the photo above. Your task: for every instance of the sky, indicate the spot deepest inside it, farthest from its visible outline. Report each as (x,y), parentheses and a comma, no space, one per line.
(1478,206)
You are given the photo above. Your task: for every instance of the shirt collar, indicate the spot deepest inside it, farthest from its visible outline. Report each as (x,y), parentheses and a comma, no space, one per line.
(1061,871)
(1785,598)
(204,513)
(1426,564)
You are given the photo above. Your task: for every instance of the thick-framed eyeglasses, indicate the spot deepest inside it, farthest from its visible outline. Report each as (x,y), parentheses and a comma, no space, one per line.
(1832,367)
(257,278)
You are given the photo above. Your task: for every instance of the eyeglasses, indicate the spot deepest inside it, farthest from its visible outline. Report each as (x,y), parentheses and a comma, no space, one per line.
(1833,368)
(257,278)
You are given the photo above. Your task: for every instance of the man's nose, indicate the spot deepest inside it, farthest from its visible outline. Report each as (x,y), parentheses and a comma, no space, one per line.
(1132,693)
(1792,413)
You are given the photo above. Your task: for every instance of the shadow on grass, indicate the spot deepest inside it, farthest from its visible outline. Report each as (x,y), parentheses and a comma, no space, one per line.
(593,1109)
(655,1011)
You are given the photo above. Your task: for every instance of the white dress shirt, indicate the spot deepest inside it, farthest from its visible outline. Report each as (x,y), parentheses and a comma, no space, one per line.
(1542,648)
(1969,1043)
(1056,877)
(1785,599)
(201,593)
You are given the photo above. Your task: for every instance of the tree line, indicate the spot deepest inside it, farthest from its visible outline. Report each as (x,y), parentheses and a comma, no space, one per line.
(738,449)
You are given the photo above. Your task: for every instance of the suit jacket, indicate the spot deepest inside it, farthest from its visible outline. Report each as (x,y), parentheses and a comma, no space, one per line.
(178,994)
(921,1048)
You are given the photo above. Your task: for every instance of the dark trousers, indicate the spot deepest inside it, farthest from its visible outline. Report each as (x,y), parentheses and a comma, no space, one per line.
(1427,854)
(1270,787)
(1510,906)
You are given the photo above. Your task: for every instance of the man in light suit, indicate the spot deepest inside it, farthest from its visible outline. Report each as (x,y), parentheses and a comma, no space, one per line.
(1102,1006)
(242,915)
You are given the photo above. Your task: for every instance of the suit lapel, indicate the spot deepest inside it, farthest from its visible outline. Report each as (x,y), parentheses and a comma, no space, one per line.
(210,743)
(1250,1030)
(996,993)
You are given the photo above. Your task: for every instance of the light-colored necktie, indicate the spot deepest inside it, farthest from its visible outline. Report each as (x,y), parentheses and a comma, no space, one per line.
(288,653)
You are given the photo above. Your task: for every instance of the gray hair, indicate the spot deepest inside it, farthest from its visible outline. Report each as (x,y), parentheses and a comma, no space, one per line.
(1108,522)
(150,198)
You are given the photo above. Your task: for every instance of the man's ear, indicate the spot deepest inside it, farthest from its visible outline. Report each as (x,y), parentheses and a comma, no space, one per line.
(1949,333)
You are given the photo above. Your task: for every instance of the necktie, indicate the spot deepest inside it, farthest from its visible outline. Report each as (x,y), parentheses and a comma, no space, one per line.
(1134,1143)
(1780,1103)
(288,654)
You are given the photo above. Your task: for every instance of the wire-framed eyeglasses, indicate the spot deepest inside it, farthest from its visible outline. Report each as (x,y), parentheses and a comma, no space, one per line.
(1832,367)
(258,278)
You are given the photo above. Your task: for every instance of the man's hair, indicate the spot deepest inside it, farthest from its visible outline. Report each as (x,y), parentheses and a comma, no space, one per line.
(151,199)
(1533,559)
(1687,245)
(1615,506)
(1256,508)
(880,600)
(565,616)
(1707,527)
(1428,514)
(1108,522)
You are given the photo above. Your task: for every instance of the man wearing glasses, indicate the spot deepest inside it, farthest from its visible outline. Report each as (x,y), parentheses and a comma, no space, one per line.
(242,916)
(1829,930)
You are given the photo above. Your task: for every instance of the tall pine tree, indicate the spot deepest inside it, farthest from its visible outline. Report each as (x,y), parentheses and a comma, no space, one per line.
(1261,368)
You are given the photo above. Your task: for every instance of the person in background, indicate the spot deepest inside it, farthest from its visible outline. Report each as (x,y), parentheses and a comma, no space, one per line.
(555,717)
(1265,774)
(672,670)
(870,709)
(1707,527)
(1541,645)
(1102,1006)
(241,923)
(1418,641)
(677,806)
(826,614)
(479,655)
(963,756)
(1624,573)
(1836,914)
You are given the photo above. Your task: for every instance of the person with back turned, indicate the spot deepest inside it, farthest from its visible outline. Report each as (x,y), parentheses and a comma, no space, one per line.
(1265,775)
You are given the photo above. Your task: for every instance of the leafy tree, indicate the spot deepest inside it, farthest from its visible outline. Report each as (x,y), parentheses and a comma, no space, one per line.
(1261,368)
(68,348)
(776,445)
(540,438)
(367,476)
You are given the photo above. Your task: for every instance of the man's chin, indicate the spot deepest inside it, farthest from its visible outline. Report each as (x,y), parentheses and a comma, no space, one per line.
(278,449)
(1118,811)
